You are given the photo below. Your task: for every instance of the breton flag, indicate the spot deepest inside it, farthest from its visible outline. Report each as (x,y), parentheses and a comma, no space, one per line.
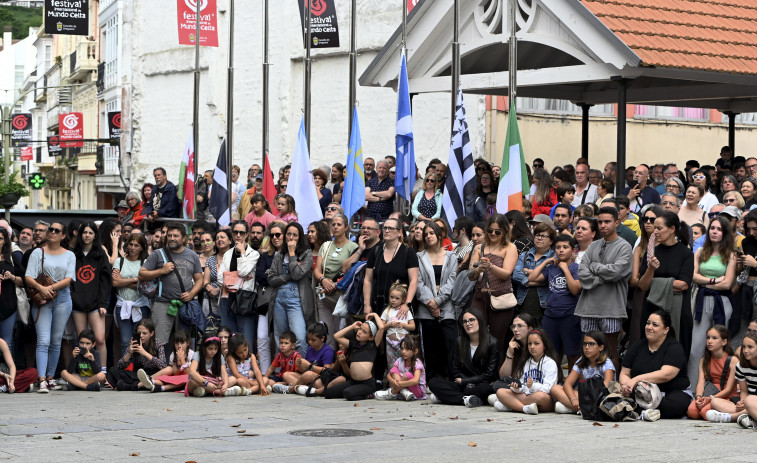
(219,200)
(186,187)
(353,196)
(461,174)
(513,177)
(301,185)
(404,179)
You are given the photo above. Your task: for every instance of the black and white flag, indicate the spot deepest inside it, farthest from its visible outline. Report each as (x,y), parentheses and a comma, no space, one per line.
(219,197)
(461,174)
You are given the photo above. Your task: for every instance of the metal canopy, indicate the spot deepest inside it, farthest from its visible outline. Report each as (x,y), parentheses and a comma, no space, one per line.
(565,52)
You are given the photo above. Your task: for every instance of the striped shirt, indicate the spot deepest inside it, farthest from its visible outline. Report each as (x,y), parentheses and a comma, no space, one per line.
(749,375)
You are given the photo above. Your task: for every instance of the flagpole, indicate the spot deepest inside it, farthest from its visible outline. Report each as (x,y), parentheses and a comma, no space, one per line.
(229,107)
(265,84)
(455,63)
(307,74)
(512,69)
(196,103)
(353,68)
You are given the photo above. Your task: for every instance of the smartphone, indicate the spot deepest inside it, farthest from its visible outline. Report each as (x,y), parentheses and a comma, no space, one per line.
(632,184)
(135,337)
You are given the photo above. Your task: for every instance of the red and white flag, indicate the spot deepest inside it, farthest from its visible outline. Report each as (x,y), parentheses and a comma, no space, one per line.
(186,188)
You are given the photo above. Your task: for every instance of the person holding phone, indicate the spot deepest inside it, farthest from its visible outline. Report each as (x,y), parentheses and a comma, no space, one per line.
(83,372)
(639,192)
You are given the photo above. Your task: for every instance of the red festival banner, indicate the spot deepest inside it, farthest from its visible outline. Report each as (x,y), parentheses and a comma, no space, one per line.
(70,129)
(187,19)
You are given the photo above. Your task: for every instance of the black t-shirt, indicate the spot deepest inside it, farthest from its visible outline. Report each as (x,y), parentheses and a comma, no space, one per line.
(385,274)
(749,245)
(676,261)
(641,361)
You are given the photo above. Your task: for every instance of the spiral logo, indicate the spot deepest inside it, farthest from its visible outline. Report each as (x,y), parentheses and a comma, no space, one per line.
(70,121)
(20,122)
(86,274)
(117,120)
(192,4)
(317,7)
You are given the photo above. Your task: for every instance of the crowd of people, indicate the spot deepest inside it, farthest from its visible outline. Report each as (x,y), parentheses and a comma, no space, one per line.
(634,298)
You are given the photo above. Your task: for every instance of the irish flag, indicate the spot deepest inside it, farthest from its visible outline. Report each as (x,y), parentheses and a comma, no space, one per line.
(513,180)
(186,187)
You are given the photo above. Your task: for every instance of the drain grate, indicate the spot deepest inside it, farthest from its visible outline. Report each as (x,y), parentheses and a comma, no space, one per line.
(330,433)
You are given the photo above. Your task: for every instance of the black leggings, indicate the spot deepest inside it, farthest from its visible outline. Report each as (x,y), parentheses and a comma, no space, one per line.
(451,393)
(439,346)
(674,405)
(352,390)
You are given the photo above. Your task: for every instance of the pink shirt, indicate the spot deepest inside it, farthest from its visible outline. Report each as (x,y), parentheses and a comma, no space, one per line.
(265,220)
(289,217)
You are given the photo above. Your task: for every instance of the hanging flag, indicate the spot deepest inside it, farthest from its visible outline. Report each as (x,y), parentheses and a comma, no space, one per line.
(269,186)
(219,200)
(513,177)
(461,174)
(301,185)
(353,196)
(186,187)
(404,179)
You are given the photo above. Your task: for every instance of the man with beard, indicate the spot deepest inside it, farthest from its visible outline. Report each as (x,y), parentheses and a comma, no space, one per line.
(198,228)
(156,241)
(25,239)
(369,238)
(562,218)
(368,168)
(39,234)
(257,233)
(171,264)
(658,178)
(165,203)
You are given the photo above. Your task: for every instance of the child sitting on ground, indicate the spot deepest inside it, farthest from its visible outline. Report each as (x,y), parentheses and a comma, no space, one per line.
(207,372)
(244,366)
(318,358)
(407,377)
(285,361)
(175,376)
(144,352)
(83,372)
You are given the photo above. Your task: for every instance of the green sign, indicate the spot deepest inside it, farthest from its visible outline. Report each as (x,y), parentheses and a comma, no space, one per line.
(37,181)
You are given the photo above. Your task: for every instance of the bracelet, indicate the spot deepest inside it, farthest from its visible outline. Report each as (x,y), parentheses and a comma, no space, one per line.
(321,279)
(712,281)
(310,368)
(204,382)
(509,356)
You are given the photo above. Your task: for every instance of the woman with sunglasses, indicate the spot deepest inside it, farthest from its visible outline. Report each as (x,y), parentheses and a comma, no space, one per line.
(436,313)
(331,210)
(328,271)
(702,178)
(212,276)
(748,189)
(496,261)
(691,211)
(532,297)
(428,203)
(289,279)
(126,281)
(646,221)
(734,198)
(51,318)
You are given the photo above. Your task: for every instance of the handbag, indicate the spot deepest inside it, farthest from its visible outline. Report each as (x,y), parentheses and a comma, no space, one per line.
(22,304)
(590,394)
(710,389)
(265,296)
(35,296)
(232,282)
(243,303)
(503,301)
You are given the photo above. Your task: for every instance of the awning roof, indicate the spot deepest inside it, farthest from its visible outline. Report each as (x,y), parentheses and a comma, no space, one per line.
(690,53)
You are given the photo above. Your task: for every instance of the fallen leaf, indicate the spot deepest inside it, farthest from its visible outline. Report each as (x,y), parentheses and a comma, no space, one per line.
(472,444)
(241,431)
(134,454)
(616,425)
(402,435)
(597,424)
(249,435)
(356,405)
(57,437)
(235,425)
(454,417)
(215,400)
(490,419)
(168,410)
(249,417)
(376,429)
(521,420)
(190,461)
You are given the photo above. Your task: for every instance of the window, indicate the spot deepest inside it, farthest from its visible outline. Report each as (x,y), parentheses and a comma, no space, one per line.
(667,112)
(552,106)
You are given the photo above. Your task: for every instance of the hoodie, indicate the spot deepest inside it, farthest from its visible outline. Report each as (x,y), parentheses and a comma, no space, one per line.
(91,288)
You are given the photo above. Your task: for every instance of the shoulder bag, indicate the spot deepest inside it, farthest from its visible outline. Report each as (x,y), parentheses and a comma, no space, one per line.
(35,297)
(503,301)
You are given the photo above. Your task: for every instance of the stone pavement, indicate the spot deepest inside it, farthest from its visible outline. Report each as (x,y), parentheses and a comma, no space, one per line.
(137,426)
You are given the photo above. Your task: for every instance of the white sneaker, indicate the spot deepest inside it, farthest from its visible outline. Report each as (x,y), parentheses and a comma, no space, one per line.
(492,399)
(53,385)
(531,409)
(199,392)
(434,399)
(233,390)
(472,401)
(385,395)
(280,389)
(145,379)
(43,387)
(3,388)
(718,417)
(562,409)
(650,415)
(500,407)
(301,389)
(269,388)
(407,395)
(746,422)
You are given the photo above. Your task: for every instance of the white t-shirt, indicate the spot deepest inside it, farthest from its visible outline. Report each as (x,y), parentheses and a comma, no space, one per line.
(208,363)
(390,315)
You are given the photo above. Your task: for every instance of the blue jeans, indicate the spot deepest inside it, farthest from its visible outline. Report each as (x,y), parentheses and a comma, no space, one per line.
(6,330)
(228,318)
(287,315)
(50,326)
(127,327)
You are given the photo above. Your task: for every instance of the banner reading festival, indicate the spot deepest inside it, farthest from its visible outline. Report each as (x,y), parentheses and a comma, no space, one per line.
(324,30)
(21,125)
(187,18)
(71,129)
(114,124)
(69,17)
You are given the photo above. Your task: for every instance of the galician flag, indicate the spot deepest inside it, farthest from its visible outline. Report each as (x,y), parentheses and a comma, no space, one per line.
(513,178)
(186,187)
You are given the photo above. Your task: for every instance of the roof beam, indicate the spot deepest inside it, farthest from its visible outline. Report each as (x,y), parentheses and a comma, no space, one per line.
(678,94)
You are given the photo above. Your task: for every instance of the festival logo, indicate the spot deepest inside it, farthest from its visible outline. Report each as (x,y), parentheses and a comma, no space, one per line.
(20,121)
(86,274)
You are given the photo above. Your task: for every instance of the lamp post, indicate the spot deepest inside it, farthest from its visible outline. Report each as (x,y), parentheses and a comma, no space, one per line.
(6,113)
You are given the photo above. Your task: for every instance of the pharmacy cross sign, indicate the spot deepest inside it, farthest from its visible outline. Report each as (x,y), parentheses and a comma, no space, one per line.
(37,181)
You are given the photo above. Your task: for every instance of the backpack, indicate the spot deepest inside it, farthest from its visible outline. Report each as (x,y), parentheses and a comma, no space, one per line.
(149,289)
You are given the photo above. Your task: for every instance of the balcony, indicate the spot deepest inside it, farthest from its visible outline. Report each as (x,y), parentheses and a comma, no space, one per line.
(83,60)
(40,92)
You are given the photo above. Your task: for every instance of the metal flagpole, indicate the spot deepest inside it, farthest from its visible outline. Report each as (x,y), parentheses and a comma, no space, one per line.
(455,63)
(307,74)
(230,108)
(265,83)
(513,65)
(353,68)
(196,105)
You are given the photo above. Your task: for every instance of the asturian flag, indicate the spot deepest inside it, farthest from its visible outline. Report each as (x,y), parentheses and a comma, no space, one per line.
(404,179)
(513,177)
(461,174)
(353,196)
(219,200)
(186,187)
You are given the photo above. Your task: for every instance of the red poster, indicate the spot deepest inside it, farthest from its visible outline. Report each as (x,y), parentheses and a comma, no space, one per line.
(71,127)
(27,154)
(187,10)
(410,5)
